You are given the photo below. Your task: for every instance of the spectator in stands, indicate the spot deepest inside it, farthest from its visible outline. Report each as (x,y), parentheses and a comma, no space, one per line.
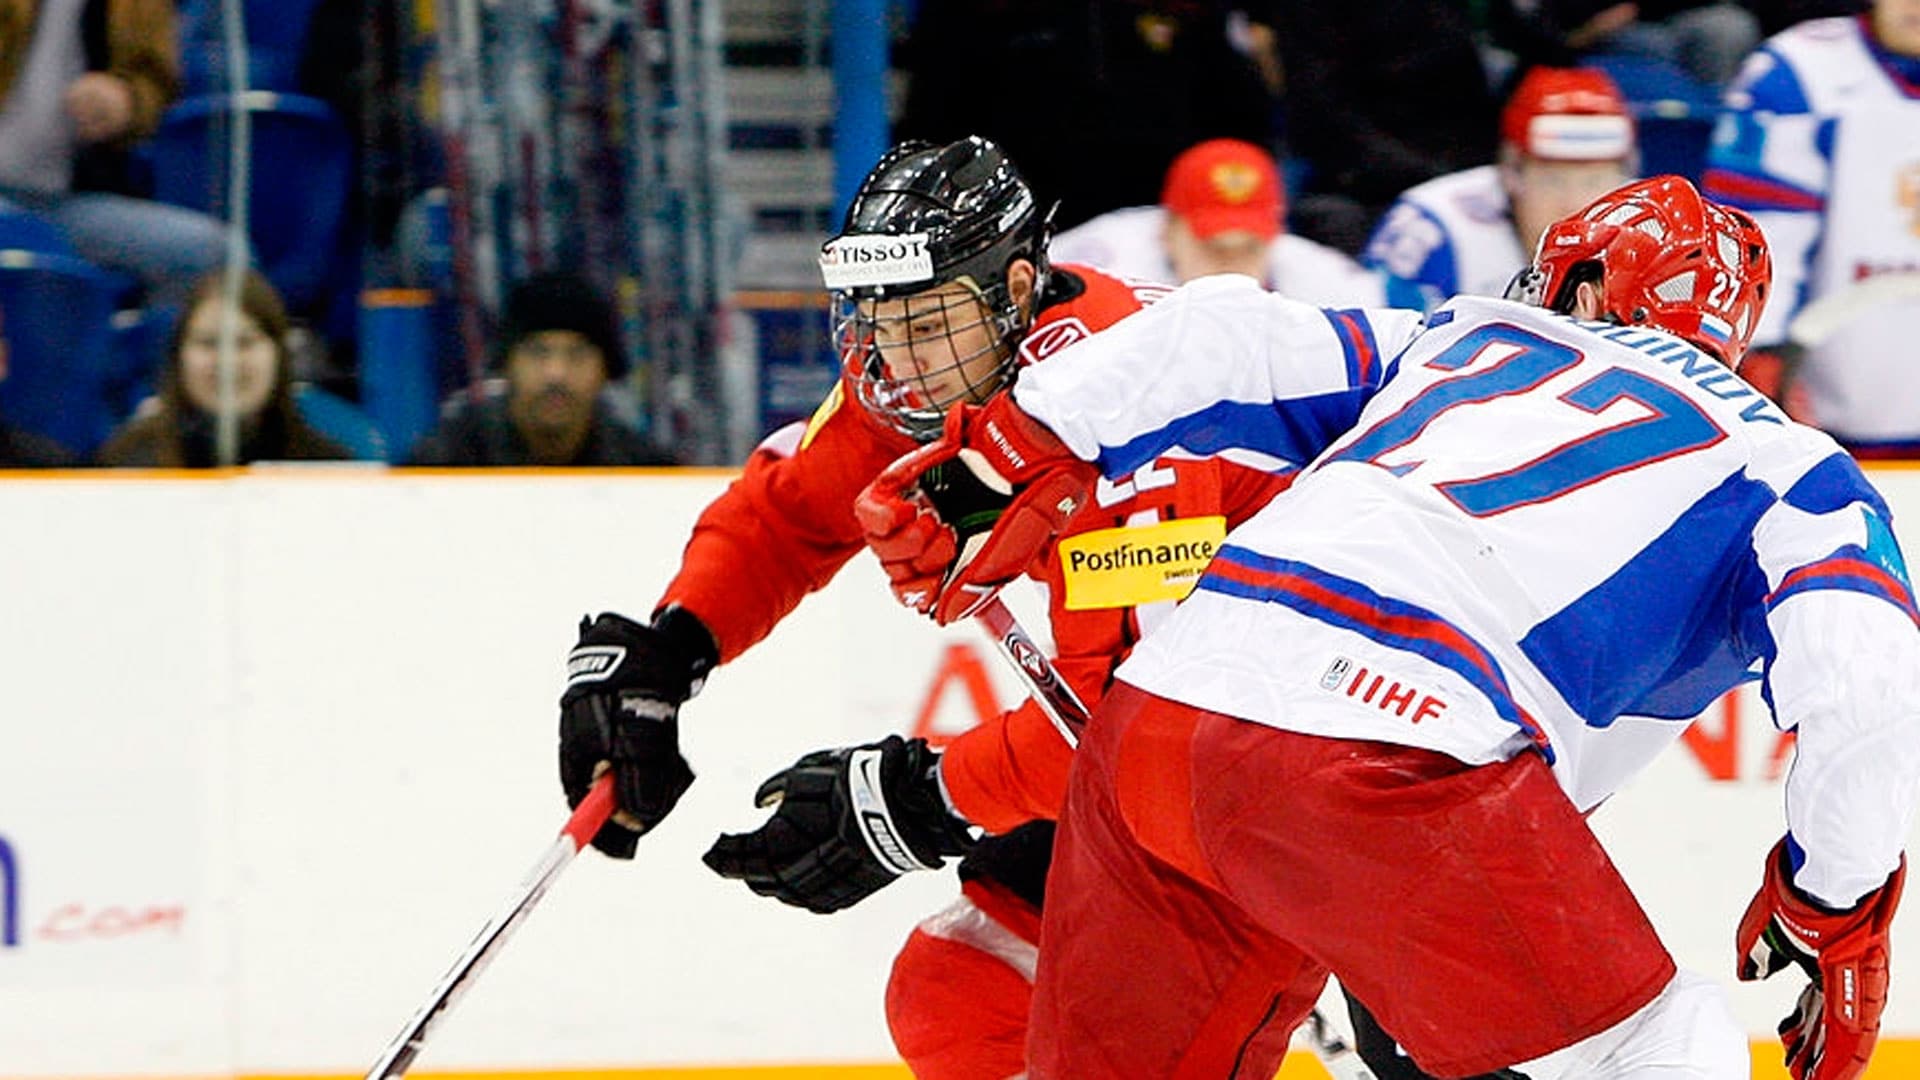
(559,347)
(81,81)
(1381,95)
(1565,140)
(1705,39)
(1777,15)
(1221,211)
(1821,143)
(178,429)
(352,61)
(23,449)
(1130,83)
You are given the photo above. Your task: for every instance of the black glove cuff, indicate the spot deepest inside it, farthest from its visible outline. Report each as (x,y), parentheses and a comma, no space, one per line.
(949,833)
(682,631)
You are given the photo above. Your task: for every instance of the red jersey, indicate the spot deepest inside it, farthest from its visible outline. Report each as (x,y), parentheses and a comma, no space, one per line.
(790,517)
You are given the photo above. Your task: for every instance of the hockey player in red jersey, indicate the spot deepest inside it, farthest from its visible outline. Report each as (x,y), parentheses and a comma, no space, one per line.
(943,292)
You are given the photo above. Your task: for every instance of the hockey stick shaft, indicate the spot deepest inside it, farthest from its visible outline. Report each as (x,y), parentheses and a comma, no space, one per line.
(1042,680)
(1834,312)
(1069,716)
(593,812)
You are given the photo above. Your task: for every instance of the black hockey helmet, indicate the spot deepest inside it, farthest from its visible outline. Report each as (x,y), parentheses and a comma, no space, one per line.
(927,216)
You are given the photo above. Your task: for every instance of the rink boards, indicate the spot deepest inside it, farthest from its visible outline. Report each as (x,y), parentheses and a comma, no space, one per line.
(273,745)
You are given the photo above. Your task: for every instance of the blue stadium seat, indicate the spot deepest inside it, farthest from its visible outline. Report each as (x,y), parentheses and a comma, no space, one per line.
(1645,80)
(1677,144)
(340,420)
(26,231)
(276,42)
(140,340)
(302,162)
(58,319)
(1674,111)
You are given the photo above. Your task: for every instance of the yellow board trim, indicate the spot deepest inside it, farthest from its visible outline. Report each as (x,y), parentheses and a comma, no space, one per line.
(1893,1059)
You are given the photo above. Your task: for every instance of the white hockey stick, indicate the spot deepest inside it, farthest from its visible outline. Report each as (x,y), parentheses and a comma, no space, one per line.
(1831,313)
(593,812)
(1069,715)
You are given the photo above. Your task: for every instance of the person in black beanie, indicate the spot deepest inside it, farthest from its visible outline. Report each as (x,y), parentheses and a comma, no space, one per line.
(559,347)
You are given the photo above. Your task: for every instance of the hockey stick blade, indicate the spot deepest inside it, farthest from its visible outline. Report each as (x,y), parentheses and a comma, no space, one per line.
(593,812)
(1069,715)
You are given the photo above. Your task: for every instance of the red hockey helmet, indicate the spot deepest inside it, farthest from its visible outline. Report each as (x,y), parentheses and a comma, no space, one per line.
(1663,257)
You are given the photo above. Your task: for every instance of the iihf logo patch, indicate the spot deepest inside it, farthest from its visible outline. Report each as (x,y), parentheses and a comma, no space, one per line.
(1336,673)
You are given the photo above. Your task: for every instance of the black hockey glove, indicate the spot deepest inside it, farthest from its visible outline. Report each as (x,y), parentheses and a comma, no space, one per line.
(848,822)
(626,682)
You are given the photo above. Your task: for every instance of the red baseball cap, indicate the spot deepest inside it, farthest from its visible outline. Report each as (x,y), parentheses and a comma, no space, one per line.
(1225,185)
(1568,114)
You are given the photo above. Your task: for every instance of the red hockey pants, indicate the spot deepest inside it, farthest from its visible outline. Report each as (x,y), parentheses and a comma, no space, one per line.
(1470,907)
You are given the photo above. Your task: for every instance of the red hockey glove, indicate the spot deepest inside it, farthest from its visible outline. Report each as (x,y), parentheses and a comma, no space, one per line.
(1832,1030)
(957,519)
(914,545)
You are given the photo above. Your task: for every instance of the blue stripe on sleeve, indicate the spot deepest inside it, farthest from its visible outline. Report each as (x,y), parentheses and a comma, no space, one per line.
(1878,569)
(1295,430)
(1850,569)
(1357,345)
(1796,855)
(1834,484)
(1778,90)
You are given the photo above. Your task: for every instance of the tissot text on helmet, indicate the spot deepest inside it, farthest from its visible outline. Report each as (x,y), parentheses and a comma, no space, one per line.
(853,261)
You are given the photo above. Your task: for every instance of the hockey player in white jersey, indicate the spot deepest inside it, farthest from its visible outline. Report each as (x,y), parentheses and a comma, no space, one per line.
(1821,144)
(1366,741)
(1565,138)
(1222,211)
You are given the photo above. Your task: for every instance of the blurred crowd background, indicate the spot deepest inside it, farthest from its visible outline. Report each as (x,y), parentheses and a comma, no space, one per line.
(549,232)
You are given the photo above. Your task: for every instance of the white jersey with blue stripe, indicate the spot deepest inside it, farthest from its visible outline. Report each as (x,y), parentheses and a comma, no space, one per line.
(1515,530)
(1821,143)
(1131,243)
(1453,234)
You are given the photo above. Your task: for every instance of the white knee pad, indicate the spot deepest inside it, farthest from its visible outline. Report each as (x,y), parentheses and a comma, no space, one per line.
(1687,1032)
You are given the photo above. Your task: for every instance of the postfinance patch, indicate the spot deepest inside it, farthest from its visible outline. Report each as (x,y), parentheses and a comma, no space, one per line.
(1138,564)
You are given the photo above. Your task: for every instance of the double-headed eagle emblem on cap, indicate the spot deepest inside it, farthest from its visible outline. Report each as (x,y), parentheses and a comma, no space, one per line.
(1234,181)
